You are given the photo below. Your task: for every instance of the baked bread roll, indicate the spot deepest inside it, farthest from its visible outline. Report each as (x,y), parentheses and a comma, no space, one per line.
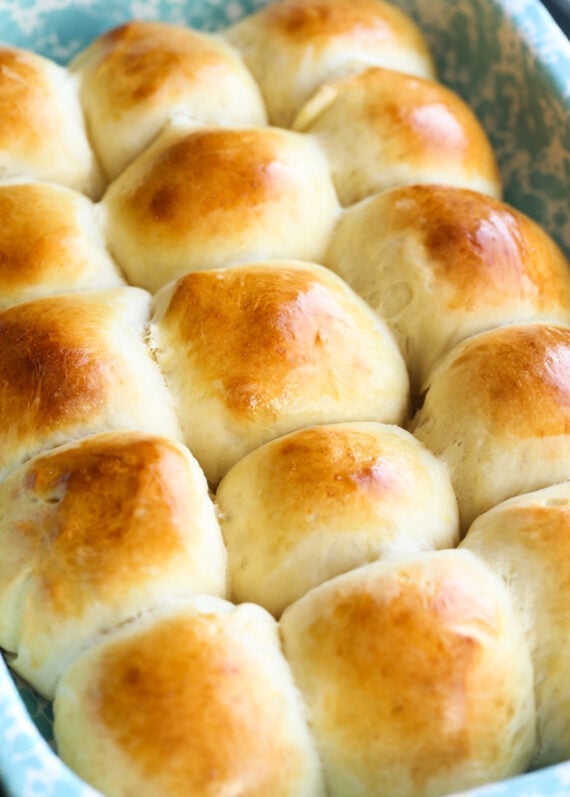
(91,534)
(42,132)
(440,264)
(526,540)
(380,129)
(135,77)
(255,351)
(74,365)
(497,410)
(293,46)
(51,242)
(417,677)
(201,685)
(326,499)
(204,199)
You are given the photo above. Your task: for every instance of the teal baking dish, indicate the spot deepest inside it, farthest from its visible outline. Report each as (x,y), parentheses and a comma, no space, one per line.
(508,59)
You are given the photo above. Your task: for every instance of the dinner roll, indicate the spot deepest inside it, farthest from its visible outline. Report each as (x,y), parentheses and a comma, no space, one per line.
(191,700)
(416,675)
(92,533)
(50,242)
(203,199)
(42,132)
(526,540)
(326,499)
(440,264)
(293,46)
(74,365)
(380,129)
(135,77)
(253,352)
(497,410)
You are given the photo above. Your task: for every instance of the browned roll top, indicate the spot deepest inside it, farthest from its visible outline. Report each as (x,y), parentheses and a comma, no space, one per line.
(136,77)
(51,241)
(441,263)
(201,199)
(73,365)
(43,133)
(294,46)
(497,409)
(255,351)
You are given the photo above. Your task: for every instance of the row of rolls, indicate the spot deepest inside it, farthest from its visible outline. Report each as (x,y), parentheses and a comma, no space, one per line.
(285,416)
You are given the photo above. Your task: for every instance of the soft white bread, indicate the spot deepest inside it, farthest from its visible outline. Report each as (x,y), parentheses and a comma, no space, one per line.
(135,77)
(325,499)
(77,364)
(526,540)
(92,533)
(497,410)
(51,241)
(204,199)
(293,46)
(416,675)
(381,129)
(253,352)
(42,132)
(440,264)
(191,700)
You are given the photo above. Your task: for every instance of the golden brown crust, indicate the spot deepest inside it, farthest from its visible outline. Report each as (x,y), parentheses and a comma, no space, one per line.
(148,61)
(47,244)
(207,172)
(350,456)
(409,130)
(252,333)
(534,527)
(497,410)
(52,371)
(28,257)
(209,198)
(428,116)
(258,350)
(325,499)
(316,22)
(518,379)
(103,502)
(321,468)
(441,264)
(95,532)
(209,734)
(42,132)
(393,660)
(207,690)
(28,118)
(138,76)
(76,364)
(293,47)
(484,250)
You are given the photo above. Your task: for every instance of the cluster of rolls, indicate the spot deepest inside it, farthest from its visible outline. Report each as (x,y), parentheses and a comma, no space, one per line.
(285,416)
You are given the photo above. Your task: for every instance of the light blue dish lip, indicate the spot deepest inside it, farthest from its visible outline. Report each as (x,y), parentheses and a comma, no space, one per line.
(28,766)
(548,43)
(545,39)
